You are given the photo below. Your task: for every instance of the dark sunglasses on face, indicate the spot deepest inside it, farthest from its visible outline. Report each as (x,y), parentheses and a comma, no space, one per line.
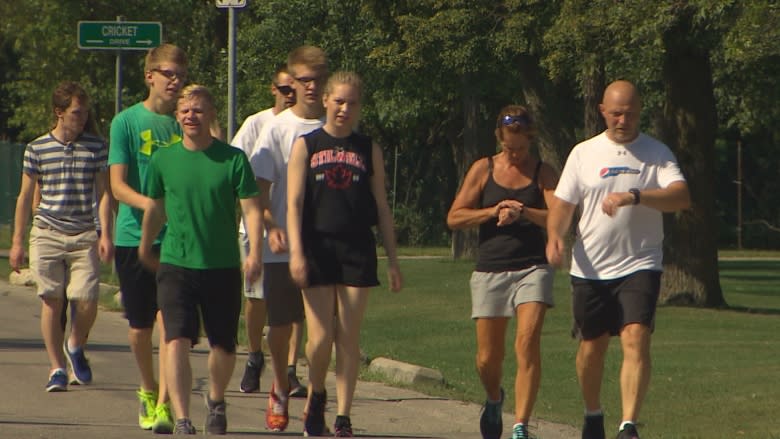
(521,119)
(284,89)
(171,75)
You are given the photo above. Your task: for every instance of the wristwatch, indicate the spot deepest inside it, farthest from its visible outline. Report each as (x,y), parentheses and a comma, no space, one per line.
(635,192)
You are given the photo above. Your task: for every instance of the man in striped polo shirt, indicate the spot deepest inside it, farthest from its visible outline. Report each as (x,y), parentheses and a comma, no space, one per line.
(69,165)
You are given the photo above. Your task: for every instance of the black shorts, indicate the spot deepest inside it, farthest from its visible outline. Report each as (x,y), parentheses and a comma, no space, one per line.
(185,295)
(138,286)
(343,259)
(601,306)
(283,300)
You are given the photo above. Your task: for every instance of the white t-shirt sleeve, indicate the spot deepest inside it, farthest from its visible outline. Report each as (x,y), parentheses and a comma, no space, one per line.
(668,169)
(262,157)
(568,188)
(246,136)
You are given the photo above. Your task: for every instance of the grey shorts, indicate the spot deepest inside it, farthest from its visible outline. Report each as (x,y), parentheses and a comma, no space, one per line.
(499,294)
(253,290)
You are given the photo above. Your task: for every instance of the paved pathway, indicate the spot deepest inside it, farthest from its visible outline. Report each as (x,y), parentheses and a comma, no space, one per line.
(107,408)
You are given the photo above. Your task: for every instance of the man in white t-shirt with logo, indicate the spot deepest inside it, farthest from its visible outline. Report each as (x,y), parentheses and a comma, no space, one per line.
(620,181)
(309,68)
(254,308)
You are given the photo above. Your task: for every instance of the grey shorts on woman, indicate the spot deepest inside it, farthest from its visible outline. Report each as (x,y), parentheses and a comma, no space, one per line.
(499,294)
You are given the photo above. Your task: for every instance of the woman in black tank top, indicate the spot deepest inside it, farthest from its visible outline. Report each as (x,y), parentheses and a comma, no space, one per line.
(506,196)
(335,194)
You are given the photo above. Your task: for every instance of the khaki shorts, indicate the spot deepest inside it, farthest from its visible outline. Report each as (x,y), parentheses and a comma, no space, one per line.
(56,256)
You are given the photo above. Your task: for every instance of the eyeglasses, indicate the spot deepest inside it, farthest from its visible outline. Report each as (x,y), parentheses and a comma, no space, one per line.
(171,74)
(284,89)
(307,80)
(521,119)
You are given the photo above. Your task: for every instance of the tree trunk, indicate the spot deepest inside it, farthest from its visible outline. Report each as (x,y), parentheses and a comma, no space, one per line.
(593,86)
(689,126)
(476,141)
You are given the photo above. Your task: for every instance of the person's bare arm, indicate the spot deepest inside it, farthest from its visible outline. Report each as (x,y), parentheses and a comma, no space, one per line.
(464,212)
(296,185)
(24,204)
(253,222)
(122,192)
(669,199)
(558,223)
(106,217)
(385,219)
(153,222)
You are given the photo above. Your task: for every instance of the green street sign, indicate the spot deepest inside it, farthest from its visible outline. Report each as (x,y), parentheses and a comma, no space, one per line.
(119,35)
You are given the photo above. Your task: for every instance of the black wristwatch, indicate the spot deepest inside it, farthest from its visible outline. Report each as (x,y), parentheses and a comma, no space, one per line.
(635,192)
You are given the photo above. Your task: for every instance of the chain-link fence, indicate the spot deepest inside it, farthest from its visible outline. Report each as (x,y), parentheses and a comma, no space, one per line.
(10,178)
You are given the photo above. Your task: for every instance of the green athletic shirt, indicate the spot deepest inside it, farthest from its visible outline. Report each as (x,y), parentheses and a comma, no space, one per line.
(201,189)
(136,134)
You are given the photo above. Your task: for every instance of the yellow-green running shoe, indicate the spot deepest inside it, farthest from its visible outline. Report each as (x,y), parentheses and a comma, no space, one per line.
(164,422)
(146,410)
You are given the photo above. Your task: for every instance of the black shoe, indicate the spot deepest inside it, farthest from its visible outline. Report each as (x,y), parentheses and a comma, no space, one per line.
(184,426)
(296,389)
(594,427)
(490,423)
(343,427)
(216,419)
(314,418)
(628,432)
(251,381)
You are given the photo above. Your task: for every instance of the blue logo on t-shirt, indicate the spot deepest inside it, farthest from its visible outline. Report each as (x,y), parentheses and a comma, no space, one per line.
(617,170)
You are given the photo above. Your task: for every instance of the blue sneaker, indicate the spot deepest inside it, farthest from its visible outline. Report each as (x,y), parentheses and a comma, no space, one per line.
(82,373)
(491,423)
(58,381)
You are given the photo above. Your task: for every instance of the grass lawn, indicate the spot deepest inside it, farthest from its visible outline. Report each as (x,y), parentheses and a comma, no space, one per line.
(715,372)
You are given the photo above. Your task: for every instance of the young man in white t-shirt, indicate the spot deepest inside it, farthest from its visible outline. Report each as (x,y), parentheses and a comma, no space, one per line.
(254,308)
(309,69)
(621,181)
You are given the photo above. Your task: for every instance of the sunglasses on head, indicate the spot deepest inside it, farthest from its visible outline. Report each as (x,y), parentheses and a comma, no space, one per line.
(284,89)
(521,119)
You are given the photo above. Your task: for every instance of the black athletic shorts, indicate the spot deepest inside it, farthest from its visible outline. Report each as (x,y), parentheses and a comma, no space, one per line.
(185,295)
(341,259)
(283,299)
(601,306)
(138,287)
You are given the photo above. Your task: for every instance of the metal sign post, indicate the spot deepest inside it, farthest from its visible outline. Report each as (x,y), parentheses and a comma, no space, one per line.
(231,6)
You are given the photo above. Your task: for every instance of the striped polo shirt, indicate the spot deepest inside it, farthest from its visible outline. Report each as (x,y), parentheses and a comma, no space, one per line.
(67,175)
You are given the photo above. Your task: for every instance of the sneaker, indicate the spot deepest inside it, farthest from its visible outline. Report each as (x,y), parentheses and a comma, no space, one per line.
(520,431)
(490,423)
(163,423)
(216,419)
(314,418)
(82,373)
(296,389)
(58,381)
(184,426)
(594,427)
(276,415)
(251,381)
(343,426)
(628,432)
(146,409)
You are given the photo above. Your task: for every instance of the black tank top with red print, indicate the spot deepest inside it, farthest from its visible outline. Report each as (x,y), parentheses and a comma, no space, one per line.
(338,196)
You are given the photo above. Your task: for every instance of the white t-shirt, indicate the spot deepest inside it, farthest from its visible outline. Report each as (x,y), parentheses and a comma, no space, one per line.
(246,137)
(269,161)
(613,247)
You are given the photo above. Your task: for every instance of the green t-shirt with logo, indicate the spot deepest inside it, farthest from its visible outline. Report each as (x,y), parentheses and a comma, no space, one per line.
(201,189)
(136,134)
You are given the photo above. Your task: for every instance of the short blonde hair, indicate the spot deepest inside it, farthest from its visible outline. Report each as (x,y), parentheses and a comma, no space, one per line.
(165,53)
(197,91)
(309,56)
(347,78)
